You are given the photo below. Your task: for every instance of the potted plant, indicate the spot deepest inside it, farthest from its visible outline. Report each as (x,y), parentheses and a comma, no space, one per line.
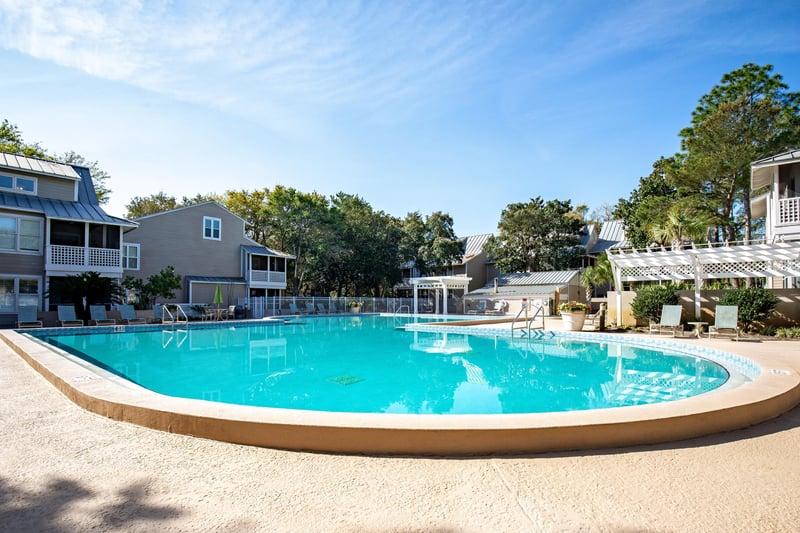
(355,306)
(573,315)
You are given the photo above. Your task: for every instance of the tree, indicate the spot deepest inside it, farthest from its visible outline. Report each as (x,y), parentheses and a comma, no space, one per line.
(249,205)
(440,247)
(537,236)
(141,206)
(749,115)
(645,206)
(682,223)
(164,284)
(85,289)
(597,275)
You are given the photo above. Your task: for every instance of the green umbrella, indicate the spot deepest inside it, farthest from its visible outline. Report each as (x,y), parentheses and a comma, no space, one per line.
(218,295)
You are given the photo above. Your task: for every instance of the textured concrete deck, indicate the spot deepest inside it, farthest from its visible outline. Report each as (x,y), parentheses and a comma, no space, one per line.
(65,469)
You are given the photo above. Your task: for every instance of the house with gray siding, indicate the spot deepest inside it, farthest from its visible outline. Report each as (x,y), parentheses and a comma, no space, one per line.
(207,245)
(51,226)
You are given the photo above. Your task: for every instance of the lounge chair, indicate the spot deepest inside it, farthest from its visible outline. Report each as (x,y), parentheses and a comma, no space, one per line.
(499,308)
(310,309)
(128,315)
(670,319)
(479,310)
(321,308)
(99,317)
(26,317)
(726,320)
(293,308)
(332,308)
(66,317)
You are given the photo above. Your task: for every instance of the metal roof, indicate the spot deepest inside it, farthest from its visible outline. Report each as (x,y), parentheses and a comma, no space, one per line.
(612,235)
(86,209)
(37,166)
(263,250)
(509,291)
(473,245)
(557,277)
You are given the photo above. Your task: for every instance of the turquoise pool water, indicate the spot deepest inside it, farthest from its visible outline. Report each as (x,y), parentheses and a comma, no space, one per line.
(365,364)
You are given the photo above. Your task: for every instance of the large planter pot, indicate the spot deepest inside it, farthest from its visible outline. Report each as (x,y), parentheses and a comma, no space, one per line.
(573,321)
(355,309)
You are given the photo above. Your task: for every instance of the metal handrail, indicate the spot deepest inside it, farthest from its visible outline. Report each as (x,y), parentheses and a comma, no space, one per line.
(528,321)
(176,318)
(395,318)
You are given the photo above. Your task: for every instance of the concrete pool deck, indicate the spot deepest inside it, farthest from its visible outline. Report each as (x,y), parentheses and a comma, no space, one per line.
(63,467)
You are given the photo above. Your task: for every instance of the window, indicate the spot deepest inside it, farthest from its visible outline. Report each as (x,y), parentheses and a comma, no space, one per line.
(18,184)
(212,228)
(20,234)
(16,291)
(130,256)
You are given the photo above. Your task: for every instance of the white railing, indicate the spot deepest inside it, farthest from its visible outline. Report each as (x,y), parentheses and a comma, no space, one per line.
(268,276)
(789,211)
(83,257)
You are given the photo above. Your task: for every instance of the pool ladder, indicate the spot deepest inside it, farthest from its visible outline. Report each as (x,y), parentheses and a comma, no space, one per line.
(397,319)
(527,323)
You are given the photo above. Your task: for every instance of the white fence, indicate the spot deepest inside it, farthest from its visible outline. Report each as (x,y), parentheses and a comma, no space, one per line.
(275,306)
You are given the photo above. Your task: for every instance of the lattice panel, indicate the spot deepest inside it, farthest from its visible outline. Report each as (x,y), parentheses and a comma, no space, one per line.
(658,272)
(736,269)
(104,257)
(66,255)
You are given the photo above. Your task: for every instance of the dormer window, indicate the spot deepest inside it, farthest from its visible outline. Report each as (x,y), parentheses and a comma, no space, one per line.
(18,184)
(212,228)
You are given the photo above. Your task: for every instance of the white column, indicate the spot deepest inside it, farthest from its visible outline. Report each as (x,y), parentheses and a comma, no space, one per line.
(444,291)
(416,299)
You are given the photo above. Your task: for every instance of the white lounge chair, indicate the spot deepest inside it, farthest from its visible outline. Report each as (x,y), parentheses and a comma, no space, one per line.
(128,315)
(26,317)
(66,317)
(99,317)
(670,319)
(726,320)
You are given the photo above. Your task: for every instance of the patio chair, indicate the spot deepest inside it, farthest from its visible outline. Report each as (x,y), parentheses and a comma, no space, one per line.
(499,308)
(128,315)
(230,313)
(99,317)
(726,320)
(66,317)
(670,319)
(26,317)
(479,310)
(293,308)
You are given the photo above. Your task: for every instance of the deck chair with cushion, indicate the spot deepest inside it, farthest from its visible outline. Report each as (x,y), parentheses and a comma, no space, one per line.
(321,308)
(726,320)
(670,319)
(293,308)
(128,315)
(479,310)
(67,318)
(26,317)
(99,317)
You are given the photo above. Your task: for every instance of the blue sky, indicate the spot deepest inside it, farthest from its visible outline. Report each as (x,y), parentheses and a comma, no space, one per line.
(461,107)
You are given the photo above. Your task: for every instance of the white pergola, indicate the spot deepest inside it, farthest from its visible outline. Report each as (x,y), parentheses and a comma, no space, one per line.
(713,261)
(437,283)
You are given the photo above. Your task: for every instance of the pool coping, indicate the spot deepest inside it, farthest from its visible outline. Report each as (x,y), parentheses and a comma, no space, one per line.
(773,391)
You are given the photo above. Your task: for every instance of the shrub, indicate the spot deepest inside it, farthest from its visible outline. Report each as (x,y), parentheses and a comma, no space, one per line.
(788,333)
(650,299)
(755,305)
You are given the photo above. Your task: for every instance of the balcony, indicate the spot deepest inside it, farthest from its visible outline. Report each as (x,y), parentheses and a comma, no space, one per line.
(267,277)
(73,259)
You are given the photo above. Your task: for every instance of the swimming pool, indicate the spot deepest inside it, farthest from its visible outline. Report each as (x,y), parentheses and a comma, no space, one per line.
(368,364)
(768,390)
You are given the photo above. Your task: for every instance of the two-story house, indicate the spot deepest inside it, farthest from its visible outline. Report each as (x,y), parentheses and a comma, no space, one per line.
(51,226)
(207,245)
(777,178)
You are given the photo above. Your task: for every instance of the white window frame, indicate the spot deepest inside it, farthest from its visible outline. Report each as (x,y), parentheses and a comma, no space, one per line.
(210,222)
(15,187)
(16,295)
(17,249)
(126,256)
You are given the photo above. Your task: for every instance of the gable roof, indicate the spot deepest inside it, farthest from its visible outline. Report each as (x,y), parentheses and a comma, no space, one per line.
(263,250)
(761,170)
(473,245)
(528,283)
(192,206)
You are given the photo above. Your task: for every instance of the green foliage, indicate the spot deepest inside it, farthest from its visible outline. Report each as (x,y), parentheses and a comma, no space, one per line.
(788,333)
(90,286)
(755,305)
(650,299)
(164,284)
(573,307)
(537,236)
